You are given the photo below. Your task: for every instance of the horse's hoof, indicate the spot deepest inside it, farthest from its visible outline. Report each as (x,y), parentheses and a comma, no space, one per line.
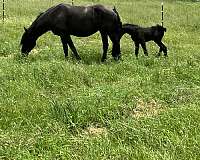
(66,58)
(103,60)
(116,58)
(24,55)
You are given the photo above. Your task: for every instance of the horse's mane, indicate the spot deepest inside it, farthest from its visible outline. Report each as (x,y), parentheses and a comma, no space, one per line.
(39,15)
(32,25)
(36,20)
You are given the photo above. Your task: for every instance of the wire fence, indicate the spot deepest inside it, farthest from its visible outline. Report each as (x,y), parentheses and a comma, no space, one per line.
(15,14)
(20,7)
(10,8)
(3,15)
(18,12)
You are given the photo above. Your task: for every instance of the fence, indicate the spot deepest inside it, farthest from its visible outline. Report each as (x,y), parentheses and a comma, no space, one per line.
(7,3)
(15,14)
(22,7)
(3,10)
(19,13)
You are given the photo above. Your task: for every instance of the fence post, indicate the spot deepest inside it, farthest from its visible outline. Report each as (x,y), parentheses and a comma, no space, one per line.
(3,10)
(72,2)
(162,12)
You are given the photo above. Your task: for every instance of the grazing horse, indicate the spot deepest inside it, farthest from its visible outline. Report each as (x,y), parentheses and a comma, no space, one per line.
(65,20)
(141,35)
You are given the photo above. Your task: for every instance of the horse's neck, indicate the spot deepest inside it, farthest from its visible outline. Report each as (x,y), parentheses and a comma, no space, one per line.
(38,29)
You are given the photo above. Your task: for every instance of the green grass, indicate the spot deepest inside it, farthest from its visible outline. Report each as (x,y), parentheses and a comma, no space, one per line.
(140,109)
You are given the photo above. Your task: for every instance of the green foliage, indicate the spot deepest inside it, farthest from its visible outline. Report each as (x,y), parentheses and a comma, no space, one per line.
(145,108)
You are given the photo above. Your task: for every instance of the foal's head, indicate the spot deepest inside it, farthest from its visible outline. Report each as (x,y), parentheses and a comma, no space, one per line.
(28,42)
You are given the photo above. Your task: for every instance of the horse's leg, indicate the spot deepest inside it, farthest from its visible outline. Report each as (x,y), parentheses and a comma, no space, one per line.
(116,46)
(144,48)
(137,45)
(71,45)
(65,46)
(104,37)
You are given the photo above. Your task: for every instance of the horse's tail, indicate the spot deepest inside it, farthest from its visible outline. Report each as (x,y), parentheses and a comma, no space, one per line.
(118,17)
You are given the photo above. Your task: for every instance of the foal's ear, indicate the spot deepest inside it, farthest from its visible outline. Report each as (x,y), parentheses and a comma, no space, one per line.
(165,29)
(114,9)
(25,29)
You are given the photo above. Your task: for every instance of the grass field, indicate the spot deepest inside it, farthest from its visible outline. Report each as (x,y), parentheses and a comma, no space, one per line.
(145,109)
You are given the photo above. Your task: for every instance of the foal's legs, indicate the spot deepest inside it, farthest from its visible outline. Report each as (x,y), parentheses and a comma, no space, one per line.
(144,48)
(71,45)
(159,53)
(116,46)
(162,48)
(104,37)
(137,45)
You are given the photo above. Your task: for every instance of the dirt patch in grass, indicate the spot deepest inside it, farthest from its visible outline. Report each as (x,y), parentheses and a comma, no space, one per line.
(95,131)
(7,56)
(144,109)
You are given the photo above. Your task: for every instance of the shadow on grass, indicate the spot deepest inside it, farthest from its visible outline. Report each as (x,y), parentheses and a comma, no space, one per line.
(94,59)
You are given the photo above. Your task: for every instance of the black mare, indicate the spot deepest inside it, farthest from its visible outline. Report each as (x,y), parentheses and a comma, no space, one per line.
(65,20)
(140,35)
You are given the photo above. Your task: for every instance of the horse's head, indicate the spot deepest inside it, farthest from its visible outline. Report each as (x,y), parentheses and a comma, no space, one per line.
(28,42)
(160,28)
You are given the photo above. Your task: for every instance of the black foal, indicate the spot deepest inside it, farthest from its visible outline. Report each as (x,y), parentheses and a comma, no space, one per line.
(141,35)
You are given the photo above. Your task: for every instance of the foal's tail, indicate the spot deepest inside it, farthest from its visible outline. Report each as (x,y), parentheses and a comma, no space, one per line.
(118,17)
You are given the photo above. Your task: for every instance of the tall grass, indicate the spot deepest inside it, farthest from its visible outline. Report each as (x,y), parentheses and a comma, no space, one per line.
(57,108)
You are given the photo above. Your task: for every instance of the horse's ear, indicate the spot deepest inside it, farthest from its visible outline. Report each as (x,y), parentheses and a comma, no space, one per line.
(25,29)
(165,29)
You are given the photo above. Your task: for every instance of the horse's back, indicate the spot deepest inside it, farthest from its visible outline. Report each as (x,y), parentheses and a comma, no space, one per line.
(81,12)
(75,20)
(79,20)
(72,13)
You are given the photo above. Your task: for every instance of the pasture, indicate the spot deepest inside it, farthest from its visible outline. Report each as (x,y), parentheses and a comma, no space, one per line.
(145,108)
